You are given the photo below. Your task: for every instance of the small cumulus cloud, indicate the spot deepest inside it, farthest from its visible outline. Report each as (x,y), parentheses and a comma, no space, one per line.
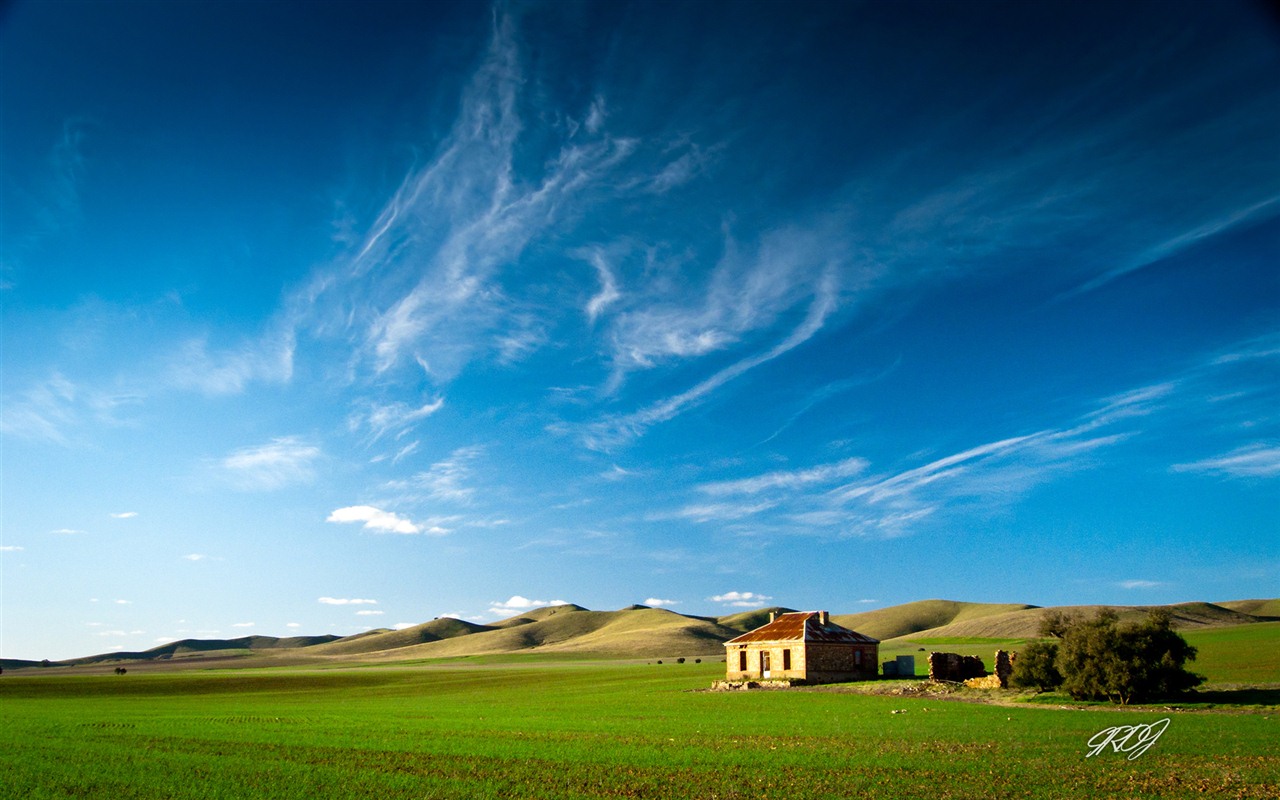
(293,624)
(10,548)
(124,602)
(368,613)
(67,531)
(195,557)
(344,601)
(399,626)
(124,515)
(242,624)
(515,604)
(741,599)
(376,519)
(282,462)
(658,602)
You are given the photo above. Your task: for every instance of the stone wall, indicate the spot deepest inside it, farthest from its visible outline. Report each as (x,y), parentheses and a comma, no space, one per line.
(833,663)
(955,668)
(1004,666)
(998,680)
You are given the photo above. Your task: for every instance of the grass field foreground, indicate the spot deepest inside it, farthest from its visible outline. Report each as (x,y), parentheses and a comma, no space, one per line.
(590,730)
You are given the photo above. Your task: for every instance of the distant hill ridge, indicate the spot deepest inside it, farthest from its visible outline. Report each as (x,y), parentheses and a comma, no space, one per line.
(639,631)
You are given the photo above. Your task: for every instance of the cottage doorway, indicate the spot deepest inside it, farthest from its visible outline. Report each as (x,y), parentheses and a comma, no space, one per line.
(764,665)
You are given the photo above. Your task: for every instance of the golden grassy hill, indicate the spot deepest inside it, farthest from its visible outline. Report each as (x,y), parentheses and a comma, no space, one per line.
(922,615)
(749,620)
(1257,608)
(1025,623)
(637,632)
(536,615)
(384,639)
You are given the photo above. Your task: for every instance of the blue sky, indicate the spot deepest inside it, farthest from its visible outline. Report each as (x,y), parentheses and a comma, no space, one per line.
(327,316)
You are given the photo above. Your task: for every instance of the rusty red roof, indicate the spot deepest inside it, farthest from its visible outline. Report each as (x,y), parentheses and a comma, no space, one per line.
(803,626)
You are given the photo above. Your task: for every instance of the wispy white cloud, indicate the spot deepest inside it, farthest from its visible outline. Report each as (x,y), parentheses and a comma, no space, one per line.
(11,548)
(368,613)
(54,199)
(384,418)
(608,294)
(424,283)
(616,473)
(67,531)
(374,519)
(824,500)
(707,512)
(124,515)
(345,601)
(197,366)
(1179,240)
(741,599)
(1258,460)
(780,480)
(678,171)
(400,626)
(282,462)
(242,624)
(1139,584)
(618,430)
(407,450)
(447,480)
(57,410)
(195,557)
(293,624)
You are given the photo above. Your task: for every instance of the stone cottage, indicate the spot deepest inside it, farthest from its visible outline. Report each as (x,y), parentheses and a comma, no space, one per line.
(802,647)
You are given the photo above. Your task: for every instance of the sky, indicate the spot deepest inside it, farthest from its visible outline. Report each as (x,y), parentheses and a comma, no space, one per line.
(326,316)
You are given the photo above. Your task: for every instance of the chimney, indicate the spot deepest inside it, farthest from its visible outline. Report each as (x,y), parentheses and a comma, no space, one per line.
(822,618)
(773,615)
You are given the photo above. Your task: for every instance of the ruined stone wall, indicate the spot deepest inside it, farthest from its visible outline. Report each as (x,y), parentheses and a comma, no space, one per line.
(1004,666)
(955,668)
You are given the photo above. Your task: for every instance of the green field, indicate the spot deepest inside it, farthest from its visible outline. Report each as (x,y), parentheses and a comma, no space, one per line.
(555,729)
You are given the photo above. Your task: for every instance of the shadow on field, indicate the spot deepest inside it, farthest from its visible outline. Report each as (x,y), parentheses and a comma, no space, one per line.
(1243,696)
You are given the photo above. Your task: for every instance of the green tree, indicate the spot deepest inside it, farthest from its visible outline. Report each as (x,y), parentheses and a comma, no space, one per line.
(1100,658)
(1035,669)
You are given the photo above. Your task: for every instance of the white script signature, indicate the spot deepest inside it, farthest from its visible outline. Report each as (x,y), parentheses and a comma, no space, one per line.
(1131,739)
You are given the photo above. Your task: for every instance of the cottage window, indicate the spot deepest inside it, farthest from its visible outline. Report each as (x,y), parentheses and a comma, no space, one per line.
(857,657)
(786,659)
(742,660)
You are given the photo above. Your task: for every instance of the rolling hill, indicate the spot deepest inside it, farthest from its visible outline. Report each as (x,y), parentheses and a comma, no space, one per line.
(635,632)
(1258,608)
(1025,623)
(922,615)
